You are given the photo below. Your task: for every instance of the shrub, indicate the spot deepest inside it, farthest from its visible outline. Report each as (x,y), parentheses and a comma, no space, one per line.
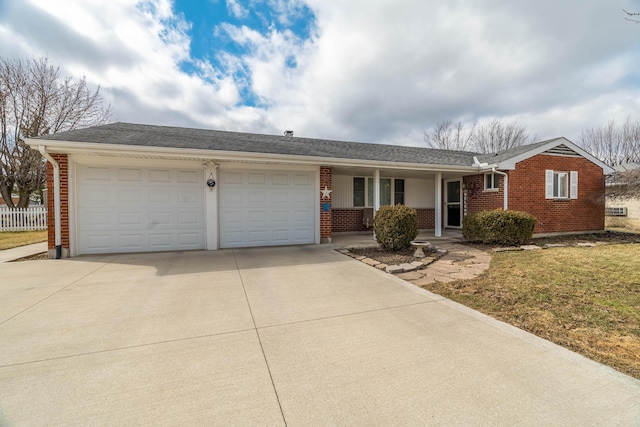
(395,226)
(499,227)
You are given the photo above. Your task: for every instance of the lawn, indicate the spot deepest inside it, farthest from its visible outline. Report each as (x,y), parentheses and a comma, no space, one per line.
(585,299)
(13,239)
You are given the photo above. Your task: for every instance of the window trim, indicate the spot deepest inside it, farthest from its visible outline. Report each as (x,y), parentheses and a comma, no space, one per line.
(552,185)
(368,202)
(495,181)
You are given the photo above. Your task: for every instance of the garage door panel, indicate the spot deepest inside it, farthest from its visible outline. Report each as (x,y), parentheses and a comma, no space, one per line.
(139,209)
(266,208)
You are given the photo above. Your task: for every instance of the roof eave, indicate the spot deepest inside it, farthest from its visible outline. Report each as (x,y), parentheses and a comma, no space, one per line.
(74,147)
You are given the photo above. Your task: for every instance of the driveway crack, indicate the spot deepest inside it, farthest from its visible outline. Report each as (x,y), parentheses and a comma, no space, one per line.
(255,327)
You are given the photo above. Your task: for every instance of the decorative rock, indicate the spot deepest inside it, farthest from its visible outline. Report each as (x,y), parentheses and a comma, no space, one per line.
(586,245)
(412,275)
(381,266)
(371,262)
(553,245)
(394,269)
(408,267)
(417,264)
(530,247)
(359,257)
(428,260)
(344,251)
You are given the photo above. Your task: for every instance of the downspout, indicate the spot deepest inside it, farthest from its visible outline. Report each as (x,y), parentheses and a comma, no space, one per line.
(56,200)
(506,187)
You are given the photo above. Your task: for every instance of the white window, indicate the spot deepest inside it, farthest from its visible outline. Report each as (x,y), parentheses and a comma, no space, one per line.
(363,191)
(491,181)
(561,185)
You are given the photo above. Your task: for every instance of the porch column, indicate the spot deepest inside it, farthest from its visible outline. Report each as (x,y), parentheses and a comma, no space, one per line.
(376,190)
(376,195)
(438,214)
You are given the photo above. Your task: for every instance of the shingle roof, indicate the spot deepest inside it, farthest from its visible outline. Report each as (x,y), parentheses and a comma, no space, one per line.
(202,139)
(501,156)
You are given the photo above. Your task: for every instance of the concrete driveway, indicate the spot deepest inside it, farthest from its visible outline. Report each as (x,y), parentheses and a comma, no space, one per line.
(282,336)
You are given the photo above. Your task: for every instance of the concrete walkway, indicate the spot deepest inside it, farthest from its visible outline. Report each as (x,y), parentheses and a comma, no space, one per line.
(13,254)
(280,336)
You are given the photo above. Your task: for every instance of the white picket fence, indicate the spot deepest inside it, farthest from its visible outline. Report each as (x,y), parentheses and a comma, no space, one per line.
(24,219)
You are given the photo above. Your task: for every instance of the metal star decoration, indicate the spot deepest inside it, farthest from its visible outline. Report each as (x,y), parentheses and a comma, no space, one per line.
(326,193)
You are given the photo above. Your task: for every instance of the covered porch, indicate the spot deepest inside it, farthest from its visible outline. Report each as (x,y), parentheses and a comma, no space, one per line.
(358,192)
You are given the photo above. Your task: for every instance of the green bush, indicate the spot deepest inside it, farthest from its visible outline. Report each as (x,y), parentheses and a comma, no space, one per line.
(395,226)
(499,227)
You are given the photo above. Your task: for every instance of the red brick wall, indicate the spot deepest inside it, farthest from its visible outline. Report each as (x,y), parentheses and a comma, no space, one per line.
(325,215)
(64,201)
(350,220)
(478,199)
(347,220)
(527,193)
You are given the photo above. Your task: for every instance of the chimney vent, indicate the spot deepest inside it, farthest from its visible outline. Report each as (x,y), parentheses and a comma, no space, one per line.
(288,133)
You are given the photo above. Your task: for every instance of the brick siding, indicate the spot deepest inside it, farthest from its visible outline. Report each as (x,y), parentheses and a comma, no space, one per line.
(527,193)
(326,224)
(64,201)
(350,220)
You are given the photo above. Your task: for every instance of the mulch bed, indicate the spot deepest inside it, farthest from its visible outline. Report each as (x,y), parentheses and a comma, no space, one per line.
(389,257)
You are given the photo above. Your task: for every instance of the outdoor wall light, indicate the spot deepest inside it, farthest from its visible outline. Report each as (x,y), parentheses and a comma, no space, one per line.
(211,182)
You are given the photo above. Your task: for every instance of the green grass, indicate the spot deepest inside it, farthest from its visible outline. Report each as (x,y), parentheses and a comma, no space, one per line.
(585,299)
(13,239)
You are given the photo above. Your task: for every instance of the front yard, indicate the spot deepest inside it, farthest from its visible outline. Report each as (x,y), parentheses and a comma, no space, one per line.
(13,239)
(585,299)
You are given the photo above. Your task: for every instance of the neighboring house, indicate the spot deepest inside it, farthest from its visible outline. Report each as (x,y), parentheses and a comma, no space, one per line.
(622,212)
(130,188)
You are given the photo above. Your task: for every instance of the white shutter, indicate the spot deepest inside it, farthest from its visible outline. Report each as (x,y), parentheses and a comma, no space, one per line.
(548,184)
(573,185)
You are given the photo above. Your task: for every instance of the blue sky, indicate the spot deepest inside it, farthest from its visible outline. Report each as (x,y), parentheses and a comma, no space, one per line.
(209,39)
(362,70)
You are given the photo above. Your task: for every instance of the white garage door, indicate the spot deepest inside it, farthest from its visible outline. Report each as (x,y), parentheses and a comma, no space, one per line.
(266,208)
(129,209)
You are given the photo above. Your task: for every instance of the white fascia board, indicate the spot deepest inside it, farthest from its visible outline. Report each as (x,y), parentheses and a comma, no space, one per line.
(72,147)
(510,164)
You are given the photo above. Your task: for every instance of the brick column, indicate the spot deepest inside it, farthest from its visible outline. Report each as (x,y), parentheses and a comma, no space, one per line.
(64,205)
(325,204)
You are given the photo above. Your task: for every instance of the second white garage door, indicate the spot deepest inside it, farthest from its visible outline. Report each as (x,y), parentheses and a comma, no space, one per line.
(266,208)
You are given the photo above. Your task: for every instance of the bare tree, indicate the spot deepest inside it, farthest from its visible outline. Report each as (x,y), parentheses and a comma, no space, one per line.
(490,138)
(498,136)
(631,16)
(624,184)
(447,135)
(612,143)
(36,100)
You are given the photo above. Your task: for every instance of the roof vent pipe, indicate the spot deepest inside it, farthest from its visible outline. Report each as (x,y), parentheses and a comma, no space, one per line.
(288,133)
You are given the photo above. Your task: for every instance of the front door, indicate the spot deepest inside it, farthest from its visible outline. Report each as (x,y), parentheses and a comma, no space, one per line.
(453,201)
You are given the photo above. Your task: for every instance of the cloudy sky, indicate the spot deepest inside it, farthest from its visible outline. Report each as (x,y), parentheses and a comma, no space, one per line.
(360,70)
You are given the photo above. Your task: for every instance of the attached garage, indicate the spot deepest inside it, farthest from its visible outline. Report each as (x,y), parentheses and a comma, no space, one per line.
(134,209)
(266,207)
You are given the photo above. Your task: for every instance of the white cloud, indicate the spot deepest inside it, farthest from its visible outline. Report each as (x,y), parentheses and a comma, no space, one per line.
(235,9)
(371,71)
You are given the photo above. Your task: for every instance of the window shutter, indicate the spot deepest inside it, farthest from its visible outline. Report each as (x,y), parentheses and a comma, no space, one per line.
(548,184)
(573,185)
